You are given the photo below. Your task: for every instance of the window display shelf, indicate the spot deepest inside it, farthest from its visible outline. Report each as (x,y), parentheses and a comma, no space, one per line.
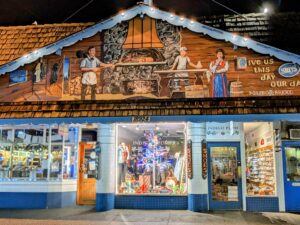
(260,171)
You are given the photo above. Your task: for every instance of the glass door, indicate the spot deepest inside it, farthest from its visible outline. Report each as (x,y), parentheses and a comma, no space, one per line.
(291,167)
(224,177)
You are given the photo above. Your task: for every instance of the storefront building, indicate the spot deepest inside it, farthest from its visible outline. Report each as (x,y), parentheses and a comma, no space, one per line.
(220,134)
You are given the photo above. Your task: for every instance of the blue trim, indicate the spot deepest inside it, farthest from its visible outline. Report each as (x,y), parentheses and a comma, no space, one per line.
(61,199)
(105,201)
(292,194)
(224,205)
(262,204)
(195,118)
(151,202)
(197,202)
(156,14)
(27,200)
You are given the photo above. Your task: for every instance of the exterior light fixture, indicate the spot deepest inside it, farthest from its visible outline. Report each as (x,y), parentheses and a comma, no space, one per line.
(181,18)
(266,10)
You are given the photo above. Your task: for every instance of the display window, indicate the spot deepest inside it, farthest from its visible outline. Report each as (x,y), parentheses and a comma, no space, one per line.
(260,160)
(24,153)
(292,155)
(151,159)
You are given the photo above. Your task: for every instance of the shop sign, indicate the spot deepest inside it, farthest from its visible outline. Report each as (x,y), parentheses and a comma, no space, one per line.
(204,160)
(288,70)
(223,131)
(141,119)
(189,160)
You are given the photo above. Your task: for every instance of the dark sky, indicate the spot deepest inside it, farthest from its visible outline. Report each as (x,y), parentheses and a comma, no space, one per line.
(24,12)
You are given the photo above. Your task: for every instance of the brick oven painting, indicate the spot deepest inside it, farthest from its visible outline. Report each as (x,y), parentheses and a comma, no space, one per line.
(152,59)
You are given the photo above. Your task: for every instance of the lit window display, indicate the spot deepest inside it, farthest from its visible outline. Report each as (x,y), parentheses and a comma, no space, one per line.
(260,171)
(24,153)
(151,159)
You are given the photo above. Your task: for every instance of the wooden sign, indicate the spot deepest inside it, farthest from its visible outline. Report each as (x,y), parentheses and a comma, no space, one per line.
(204,160)
(189,159)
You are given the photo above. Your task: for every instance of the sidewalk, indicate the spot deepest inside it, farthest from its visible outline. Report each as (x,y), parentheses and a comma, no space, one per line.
(88,216)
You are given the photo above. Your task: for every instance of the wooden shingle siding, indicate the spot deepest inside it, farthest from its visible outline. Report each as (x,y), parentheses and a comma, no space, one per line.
(168,107)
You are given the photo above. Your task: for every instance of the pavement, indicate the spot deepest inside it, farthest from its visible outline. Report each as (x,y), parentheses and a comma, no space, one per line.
(85,215)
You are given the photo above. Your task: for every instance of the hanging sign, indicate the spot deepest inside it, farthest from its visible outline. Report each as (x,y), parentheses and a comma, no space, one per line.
(204,160)
(189,160)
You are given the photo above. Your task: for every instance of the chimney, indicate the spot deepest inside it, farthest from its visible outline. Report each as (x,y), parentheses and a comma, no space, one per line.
(142,34)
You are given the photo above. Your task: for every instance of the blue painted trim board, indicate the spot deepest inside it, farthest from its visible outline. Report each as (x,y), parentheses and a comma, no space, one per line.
(196,118)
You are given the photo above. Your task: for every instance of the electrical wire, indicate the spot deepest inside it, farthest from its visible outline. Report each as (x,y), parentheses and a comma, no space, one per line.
(78,10)
(226,7)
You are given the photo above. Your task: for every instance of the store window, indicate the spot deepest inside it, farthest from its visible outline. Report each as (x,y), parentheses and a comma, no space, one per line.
(28,154)
(292,155)
(260,159)
(24,152)
(151,159)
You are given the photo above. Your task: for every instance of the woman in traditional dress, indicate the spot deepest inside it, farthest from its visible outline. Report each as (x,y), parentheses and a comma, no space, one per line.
(218,80)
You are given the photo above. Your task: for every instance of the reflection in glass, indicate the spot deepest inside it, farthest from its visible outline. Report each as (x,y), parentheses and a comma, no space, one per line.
(5,163)
(292,155)
(224,176)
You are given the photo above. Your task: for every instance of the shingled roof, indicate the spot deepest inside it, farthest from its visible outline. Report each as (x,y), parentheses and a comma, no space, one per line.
(281,30)
(16,41)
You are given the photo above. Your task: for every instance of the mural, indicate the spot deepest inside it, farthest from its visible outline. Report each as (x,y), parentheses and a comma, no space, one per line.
(147,58)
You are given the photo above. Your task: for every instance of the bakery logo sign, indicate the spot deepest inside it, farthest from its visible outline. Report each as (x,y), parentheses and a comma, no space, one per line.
(289,70)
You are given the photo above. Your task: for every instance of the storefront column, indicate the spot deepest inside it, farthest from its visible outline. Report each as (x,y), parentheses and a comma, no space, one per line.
(279,168)
(105,186)
(197,186)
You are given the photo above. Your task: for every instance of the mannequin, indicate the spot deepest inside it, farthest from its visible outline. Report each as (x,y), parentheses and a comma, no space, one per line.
(123,157)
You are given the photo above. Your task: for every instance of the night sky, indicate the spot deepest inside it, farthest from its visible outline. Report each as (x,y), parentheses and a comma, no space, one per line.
(24,12)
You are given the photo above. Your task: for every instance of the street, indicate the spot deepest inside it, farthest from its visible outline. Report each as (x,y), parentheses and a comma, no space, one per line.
(87,216)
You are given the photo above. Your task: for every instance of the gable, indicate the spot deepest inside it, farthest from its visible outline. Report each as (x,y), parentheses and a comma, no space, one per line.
(154,13)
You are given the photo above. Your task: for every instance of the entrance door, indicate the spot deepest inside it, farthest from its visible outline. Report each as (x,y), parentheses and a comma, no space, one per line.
(224,178)
(86,193)
(291,170)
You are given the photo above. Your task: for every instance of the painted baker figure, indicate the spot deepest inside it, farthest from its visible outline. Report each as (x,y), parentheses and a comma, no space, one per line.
(181,62)
(89,67)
